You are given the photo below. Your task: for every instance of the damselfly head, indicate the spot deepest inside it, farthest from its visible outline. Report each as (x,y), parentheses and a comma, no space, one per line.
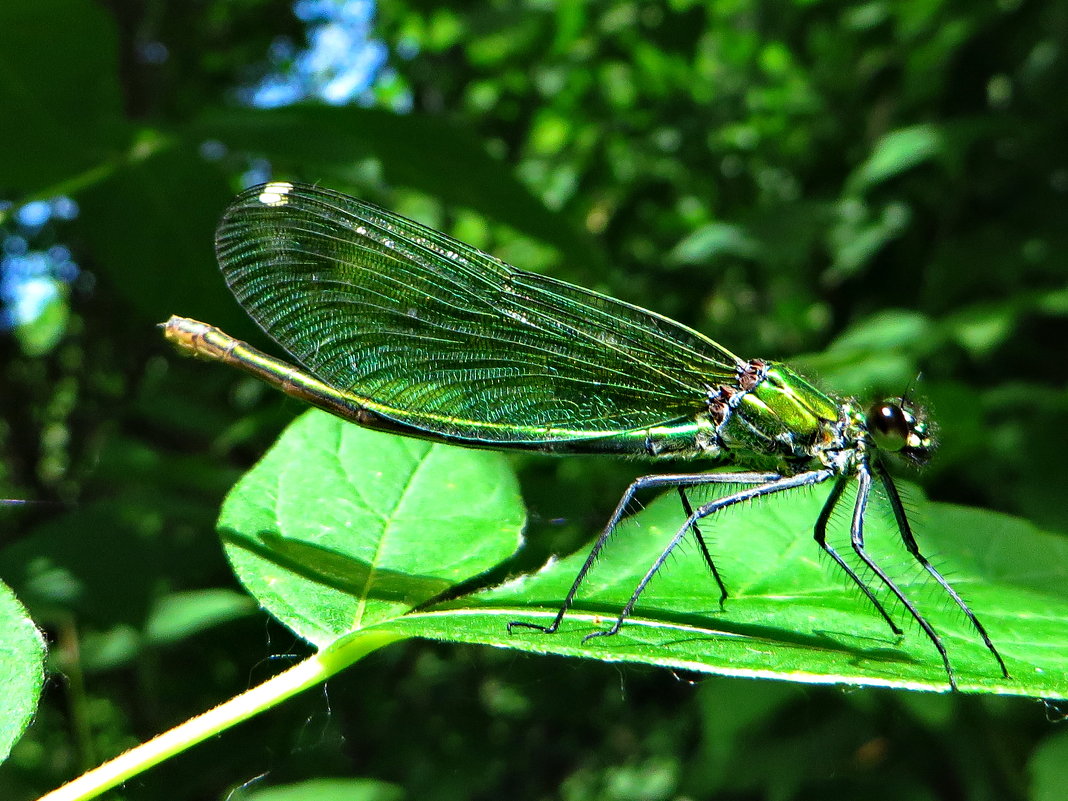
(898,426)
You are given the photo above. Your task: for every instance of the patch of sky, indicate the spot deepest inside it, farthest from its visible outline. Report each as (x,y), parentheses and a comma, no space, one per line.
(30,281)
(339,64)
(32,278)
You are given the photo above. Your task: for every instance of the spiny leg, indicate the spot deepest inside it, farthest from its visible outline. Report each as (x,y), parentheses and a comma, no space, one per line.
(777,484)
(639,484)
(913,548)
(704,548)
(820,534)
(857,537)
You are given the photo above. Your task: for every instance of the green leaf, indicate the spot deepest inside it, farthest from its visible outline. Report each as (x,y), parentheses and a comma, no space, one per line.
(895,153)
(22,652)
(860,233)
(878,352)
(1049,776)
(184,614)
(339,528)
(888,329)
(59,92)
(791,614)
(340,531)
(163,262)
(322,790)
(714,240)
(58,569)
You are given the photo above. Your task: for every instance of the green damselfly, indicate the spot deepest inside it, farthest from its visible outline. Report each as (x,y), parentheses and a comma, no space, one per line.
(401,328)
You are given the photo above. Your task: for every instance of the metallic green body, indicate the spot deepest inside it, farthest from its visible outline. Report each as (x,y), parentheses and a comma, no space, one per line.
(782,421)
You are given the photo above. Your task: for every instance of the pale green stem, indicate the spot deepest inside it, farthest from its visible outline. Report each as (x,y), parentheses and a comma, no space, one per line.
(309,673)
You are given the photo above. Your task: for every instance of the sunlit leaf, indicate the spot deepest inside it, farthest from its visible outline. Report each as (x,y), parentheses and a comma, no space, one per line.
(339,531)
(895,153)
(22,652)
(339,528)
(791,615)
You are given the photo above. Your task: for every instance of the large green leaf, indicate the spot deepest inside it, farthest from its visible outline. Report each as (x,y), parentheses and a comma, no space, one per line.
(339,528)
(340,531)
(791,614)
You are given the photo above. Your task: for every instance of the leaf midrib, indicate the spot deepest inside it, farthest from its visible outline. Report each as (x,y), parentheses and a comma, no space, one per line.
(387,527)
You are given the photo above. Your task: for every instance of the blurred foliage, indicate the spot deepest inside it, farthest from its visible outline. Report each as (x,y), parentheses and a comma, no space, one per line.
(877,189)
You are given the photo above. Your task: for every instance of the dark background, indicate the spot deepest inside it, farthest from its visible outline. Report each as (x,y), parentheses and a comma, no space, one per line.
(870,190)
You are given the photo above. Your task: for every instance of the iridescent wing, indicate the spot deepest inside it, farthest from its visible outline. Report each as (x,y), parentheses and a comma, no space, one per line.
(442,334)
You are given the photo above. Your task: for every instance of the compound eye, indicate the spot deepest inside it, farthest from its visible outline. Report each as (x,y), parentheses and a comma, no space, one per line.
(889,426)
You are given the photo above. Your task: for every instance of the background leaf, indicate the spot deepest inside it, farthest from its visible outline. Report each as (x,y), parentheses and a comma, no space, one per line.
(324,790)
(59,75)
(896,152)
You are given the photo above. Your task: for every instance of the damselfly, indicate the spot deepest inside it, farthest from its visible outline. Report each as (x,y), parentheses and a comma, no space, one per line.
(401,328)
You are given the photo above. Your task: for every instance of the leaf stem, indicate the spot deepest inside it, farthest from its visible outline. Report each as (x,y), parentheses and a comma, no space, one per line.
(300,677)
